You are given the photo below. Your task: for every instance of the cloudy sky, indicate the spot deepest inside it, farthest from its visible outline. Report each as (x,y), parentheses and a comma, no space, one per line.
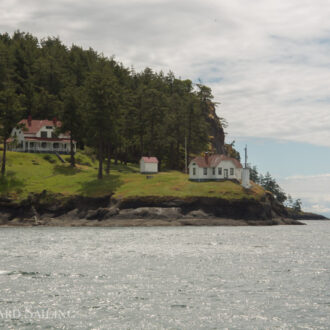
(267,62)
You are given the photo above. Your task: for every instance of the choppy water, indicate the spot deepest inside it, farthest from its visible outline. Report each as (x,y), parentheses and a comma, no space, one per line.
(173,278)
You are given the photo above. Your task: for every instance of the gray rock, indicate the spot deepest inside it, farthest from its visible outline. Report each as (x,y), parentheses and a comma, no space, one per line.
(198,214)
(100,214)
(113,211)
(150,213)
(4,216)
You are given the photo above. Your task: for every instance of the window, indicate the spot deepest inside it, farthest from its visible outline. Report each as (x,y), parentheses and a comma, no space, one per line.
(220,170)
(213,170)
(54,136)
(194,171)
(49,127)
(205,171)
(231,171)
(55,145)
(43,145)
(43,134)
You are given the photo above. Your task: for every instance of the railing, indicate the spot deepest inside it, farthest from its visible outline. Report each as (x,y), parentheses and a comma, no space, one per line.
(42,150)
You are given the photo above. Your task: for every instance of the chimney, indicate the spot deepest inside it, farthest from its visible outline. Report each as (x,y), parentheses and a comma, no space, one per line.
(206,157)
(29,120)
(55,121)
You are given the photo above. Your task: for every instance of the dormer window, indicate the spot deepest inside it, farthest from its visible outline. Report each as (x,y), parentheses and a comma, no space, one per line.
(43,134)
(49,127)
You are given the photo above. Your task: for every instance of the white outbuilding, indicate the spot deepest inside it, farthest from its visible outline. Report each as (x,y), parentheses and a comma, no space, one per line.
(217,167)
(148,165)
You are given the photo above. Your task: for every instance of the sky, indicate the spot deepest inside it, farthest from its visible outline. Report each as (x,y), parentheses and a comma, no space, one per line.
(267,62)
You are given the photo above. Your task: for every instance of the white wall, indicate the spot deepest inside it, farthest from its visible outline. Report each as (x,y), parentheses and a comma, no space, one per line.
(246,178)
(44,129)
(148,167)
(224,165)
(19,134)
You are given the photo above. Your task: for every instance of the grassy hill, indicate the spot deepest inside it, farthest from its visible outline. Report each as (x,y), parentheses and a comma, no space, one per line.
(27,173)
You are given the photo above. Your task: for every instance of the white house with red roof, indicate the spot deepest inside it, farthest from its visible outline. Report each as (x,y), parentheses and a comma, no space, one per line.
(39,136)
(215,167)
(148,165)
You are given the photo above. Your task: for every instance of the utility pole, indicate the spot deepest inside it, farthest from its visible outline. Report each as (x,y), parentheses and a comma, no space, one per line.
(246,157)
(185,155)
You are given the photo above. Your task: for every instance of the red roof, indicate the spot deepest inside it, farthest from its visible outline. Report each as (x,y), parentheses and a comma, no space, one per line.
(214,161)
(36,125)
(34,138)
(150,159)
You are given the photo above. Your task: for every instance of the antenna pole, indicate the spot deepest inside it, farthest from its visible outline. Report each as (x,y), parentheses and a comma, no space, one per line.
(246,157)
(185,155)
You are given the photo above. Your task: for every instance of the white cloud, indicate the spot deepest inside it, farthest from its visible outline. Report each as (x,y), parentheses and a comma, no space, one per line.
(266,60)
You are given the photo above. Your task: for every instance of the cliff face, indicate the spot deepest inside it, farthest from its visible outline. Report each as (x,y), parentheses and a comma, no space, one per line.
(47,209)
(216,133)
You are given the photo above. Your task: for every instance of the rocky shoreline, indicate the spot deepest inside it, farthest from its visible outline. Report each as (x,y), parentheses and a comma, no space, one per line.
(48,209)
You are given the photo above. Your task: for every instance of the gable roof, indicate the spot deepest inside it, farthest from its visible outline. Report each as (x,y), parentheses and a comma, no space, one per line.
(149,159)
(36,125)
(214,161)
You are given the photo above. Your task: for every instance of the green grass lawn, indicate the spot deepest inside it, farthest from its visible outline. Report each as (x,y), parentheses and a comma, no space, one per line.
(27,173)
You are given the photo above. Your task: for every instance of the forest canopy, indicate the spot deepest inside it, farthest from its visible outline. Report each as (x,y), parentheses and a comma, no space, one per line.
(120,113)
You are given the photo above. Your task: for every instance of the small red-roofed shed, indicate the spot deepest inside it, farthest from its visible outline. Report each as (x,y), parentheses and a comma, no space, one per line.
(148,165)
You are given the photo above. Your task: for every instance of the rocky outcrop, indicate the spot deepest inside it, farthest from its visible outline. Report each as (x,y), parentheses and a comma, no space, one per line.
(50,209)
(306,216)
(216,132)
(206,207)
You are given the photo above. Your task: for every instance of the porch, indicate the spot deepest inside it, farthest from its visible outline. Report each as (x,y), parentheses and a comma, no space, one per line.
(43,147)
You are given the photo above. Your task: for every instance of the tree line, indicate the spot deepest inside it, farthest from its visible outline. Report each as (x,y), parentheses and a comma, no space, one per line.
(121,113)
(269,183)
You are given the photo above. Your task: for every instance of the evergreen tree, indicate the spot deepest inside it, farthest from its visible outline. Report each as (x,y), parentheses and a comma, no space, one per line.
(72,117)
(297,205)
(270,184)
(10,114)
(102,109)
(254,175)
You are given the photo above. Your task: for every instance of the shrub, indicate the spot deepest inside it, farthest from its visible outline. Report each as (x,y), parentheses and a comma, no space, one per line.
(49,159)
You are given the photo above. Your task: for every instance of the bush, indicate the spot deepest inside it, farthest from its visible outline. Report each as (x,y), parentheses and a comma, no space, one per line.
(49,159)
(90,153)
(81,161)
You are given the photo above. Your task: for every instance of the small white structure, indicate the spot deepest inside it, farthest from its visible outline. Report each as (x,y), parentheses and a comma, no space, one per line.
(39,136)
(246,178)
(246,172)
(149,165)
(215,167)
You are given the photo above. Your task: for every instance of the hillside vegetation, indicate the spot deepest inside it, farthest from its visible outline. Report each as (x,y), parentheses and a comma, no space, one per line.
(33,173)
(119,112)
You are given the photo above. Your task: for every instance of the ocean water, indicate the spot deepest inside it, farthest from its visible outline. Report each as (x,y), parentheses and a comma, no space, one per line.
(166,278)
